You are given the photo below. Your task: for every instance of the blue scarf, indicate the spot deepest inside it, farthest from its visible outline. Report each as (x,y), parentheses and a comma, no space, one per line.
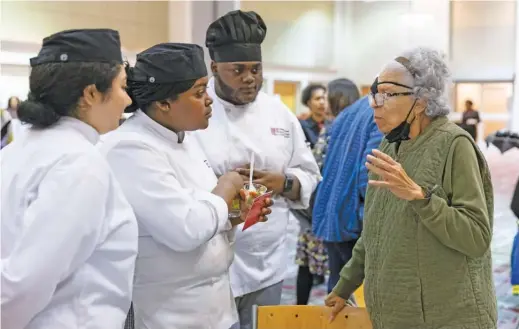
(339,203)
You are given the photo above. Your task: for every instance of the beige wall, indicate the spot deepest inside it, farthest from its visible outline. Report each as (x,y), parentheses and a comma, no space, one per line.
(141,24)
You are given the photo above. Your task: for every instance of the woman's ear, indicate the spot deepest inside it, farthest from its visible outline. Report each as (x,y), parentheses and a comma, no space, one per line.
(163,106)
(420,106)
(91,96)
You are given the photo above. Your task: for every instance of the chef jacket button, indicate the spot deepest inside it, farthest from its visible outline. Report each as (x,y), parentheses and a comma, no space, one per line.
(63,57)
(152,79)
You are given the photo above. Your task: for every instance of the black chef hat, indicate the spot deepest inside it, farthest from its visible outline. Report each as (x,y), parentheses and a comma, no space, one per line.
(169,63)
(236,37)
(164,70)
(85,45)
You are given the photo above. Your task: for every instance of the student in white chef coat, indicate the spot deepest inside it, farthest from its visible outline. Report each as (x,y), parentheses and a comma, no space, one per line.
(69,237)
(185,233)
(247,121)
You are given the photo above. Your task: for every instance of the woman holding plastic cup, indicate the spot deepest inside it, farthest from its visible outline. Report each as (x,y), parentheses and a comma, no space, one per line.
(185,231)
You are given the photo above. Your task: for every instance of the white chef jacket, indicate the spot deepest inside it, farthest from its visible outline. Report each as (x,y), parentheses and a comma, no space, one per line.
(269,130)
(18,128)
(181,275)
(69,237)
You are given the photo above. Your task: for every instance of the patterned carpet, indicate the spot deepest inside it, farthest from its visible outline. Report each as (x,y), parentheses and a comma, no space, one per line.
(505,173)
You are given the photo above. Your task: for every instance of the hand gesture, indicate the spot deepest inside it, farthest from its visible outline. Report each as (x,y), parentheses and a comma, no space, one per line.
(336,303)
(393,177)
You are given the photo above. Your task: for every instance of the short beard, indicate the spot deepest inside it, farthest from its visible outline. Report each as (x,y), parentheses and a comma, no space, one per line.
(227,93)
(224,91)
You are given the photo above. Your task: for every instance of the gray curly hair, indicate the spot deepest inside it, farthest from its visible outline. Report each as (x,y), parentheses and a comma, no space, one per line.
(431,79)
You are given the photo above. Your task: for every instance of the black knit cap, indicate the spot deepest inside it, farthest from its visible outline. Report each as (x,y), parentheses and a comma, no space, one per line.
(85,45)
(236,37)
(169,63)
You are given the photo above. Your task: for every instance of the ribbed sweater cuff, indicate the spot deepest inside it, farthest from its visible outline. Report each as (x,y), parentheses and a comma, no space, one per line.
(344,289)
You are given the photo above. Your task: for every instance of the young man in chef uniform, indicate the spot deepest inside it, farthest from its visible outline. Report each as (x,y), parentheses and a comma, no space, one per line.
(249,122)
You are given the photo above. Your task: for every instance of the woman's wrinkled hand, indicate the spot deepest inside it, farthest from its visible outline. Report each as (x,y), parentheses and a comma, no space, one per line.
(336,303)
(393,177)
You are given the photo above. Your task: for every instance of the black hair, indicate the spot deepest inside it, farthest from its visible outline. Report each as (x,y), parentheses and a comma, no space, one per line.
(11,99)
(144,93)
(341,94)
(468,101)
(306,95)
(56,88)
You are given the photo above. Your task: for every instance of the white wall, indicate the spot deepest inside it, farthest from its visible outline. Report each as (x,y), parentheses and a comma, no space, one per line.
(483,40)
(377,31)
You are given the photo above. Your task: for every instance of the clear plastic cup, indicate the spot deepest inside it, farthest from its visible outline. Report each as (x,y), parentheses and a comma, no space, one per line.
(251,195)
(236,203)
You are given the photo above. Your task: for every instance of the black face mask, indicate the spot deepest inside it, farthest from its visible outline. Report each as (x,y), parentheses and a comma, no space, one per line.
(401,132)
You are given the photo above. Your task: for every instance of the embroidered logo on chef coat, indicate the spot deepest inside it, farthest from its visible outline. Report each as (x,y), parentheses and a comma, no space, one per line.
(280,132)
(207,164)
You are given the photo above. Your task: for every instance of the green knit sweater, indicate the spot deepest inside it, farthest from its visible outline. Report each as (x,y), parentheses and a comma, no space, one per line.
(426,264)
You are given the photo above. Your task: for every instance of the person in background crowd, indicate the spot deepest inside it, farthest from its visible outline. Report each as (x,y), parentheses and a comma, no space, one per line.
(341,94)
(424,254)
(314,97)
(186,234)
(339,202)
(7,129)
(12,106)
(16,125)
(470,119)
(311,252)
(249,122)
(69,237)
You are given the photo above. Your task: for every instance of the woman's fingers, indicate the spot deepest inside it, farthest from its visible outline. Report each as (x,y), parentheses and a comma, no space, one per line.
(379,183)
(376,170)
(380,163)
(384,156)
(336,309)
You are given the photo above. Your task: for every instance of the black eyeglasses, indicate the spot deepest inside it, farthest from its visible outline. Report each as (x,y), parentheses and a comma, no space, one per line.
(380,98)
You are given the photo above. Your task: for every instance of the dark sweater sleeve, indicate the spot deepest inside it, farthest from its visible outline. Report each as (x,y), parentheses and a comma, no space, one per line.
(464,225)
(352,274)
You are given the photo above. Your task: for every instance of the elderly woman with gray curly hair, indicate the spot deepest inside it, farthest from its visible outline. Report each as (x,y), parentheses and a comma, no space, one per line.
(424,253)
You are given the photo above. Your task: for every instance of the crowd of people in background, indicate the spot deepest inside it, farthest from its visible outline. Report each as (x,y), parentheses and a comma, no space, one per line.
(388,191)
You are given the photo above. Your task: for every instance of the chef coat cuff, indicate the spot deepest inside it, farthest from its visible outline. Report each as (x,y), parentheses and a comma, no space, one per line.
(307,182)
(231,235)
(219,210)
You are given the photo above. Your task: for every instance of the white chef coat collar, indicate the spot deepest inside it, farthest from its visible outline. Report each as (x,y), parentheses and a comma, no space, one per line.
(83,128)
(160,129)
(229,107)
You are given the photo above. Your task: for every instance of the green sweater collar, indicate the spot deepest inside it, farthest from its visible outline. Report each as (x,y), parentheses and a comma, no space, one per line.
(428,132)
